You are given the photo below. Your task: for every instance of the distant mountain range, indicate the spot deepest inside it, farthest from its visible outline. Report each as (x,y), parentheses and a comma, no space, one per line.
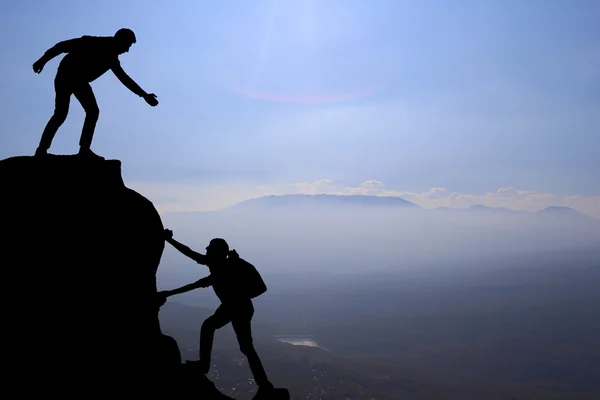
(370,201)
(319,200)
(552,210)
(349,232)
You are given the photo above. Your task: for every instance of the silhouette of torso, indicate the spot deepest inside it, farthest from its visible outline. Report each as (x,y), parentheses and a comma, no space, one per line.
(90,58)
(227,282)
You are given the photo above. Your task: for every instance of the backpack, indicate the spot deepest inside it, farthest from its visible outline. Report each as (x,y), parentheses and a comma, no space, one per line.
(253,284)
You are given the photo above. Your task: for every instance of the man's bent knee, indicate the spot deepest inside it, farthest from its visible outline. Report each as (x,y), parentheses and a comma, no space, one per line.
(247,348)
(208,324)
(93,113)
(60,114)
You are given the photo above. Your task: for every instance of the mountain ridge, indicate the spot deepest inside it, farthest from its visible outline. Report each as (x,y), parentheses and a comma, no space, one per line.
(373,201)
(323,199)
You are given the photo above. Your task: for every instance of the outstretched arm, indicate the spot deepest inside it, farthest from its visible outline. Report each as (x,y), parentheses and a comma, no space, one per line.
(127,81)
(132,85)
(201,283)
(183,249)
(61,47)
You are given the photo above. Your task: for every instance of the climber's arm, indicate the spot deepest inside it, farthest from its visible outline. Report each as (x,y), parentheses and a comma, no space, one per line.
(186,251)
(127,81)
(201,283)
(61,47)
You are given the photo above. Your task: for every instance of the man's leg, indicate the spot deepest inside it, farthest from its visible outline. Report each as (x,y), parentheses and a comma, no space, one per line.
(207,333)
(61,109)
(86,97)
(242,325)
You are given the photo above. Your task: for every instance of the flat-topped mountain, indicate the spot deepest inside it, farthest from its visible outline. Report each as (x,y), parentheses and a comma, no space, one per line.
(322,200)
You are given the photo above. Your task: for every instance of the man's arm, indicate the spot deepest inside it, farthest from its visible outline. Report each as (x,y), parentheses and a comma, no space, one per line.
(131,85)
(186,251)
(127,81)
(201,283)
(61,47)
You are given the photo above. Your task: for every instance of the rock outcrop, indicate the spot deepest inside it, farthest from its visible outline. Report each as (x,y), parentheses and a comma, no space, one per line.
(80,253)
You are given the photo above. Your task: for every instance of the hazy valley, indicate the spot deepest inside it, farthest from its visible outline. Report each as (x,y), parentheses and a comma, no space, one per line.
(405,303)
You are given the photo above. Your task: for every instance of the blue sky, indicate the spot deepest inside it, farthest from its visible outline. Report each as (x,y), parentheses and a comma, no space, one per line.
(267,96)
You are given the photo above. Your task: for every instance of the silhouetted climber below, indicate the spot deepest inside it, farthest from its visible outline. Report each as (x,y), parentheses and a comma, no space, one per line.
(236,282)
(88,58)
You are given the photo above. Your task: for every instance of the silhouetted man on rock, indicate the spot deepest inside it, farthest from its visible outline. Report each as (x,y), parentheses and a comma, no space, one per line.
(88,58)
(230,284)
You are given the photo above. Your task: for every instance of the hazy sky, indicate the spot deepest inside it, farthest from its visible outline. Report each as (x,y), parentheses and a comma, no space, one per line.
(492,102)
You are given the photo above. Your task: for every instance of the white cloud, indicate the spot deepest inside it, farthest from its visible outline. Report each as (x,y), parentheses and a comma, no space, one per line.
(437,192)
(313,187)
(509,192)
(372,183)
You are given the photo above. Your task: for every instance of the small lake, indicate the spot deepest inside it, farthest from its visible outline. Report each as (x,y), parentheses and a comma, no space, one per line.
(299,341)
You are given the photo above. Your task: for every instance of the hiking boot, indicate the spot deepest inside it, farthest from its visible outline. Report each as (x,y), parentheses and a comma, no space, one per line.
(39,152)
(203,366)
(89,154)
(263,391)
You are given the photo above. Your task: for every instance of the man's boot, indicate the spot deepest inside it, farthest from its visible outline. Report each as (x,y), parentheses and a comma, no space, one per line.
(88,153)
(264,390)
(41,152)
(202,365)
